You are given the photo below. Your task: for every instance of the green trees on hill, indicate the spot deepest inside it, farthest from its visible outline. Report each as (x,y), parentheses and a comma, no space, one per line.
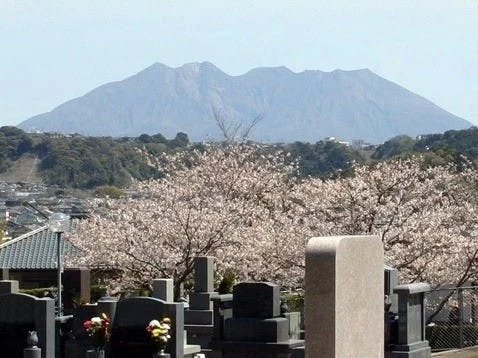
(437,149)
(13,143)
(87,162)
(323,158)
(90,162)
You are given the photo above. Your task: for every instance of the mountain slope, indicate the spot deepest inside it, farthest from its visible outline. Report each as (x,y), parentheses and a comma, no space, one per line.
(305,106)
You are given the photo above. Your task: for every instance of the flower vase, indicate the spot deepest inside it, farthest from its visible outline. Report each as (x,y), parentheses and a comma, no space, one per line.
(95,353)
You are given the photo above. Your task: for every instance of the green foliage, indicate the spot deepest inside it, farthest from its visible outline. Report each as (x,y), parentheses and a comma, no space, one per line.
(40,292)
(227,282)
(399,145)
(295,301)
(323,158)
(13,143)
(96,292)
(90,162)
(438,149)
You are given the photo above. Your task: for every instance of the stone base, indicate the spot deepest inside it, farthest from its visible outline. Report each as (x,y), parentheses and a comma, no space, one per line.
(416,350)
(199,334)
(287,349)
(161,355)
(32,353)
(95,354)
(201,300)
(190,350)
(256,330)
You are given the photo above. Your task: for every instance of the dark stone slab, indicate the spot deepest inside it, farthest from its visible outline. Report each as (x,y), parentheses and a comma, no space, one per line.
(198,317)
(411,322)
(128,333)
(256,299)
(201,300)
(8,286)
(20,313)
(204,274)
(76,287)
(199,334)
(257,330)
(222,307)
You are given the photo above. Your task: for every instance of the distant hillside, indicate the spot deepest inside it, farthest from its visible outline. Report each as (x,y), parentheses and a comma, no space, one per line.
(451,146)
(305,106)
(24,169)
(91,162)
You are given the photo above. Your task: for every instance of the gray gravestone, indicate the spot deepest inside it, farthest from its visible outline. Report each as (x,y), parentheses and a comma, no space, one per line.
(163,289)
(256,328)
(128,334)
(198,318)
(391,281)
(22,313)
(344,286)
(107,305)
(411,322)
(200,299)
(204,274)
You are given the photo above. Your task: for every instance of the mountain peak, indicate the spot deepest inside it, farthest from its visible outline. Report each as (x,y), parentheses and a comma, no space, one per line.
(306,106)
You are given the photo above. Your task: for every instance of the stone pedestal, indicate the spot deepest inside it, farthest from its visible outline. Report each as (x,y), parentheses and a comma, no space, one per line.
(33,352)
(256,328)
(162,355)
(93,353)
(411,322)
(198,318)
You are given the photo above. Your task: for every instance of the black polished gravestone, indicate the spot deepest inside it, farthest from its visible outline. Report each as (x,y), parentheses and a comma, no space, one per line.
(78,341)
(411,322)
(256,300)
(128,332)
(256,328)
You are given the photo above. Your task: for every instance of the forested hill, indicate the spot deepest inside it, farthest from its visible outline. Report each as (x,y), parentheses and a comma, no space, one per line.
(89,162)
(450,146)
(86,162)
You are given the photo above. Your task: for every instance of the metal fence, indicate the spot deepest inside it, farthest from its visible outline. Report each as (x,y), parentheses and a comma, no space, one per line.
(452,317)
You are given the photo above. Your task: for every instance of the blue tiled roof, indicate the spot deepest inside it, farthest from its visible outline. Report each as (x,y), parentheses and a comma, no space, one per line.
(34,250)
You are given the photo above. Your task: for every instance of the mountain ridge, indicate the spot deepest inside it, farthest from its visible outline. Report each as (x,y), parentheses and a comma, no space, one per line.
(296,106)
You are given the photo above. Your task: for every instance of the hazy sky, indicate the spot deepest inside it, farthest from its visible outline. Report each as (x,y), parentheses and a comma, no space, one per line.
(54,50)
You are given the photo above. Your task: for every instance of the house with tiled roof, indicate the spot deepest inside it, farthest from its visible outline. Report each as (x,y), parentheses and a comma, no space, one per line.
(31,259)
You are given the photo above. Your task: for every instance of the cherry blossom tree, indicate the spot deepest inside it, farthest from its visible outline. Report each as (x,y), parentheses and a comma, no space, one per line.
(427,218)
(249,211)
(221,202)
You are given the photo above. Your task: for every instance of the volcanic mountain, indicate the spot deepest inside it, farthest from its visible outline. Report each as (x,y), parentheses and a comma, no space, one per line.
(305,106)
